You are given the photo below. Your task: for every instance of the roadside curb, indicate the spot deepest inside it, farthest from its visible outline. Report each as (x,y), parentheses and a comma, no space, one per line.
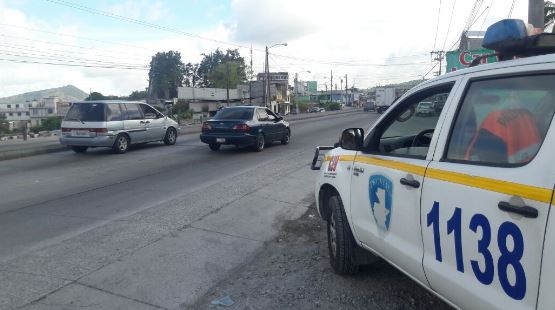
(185,130)
(45,149)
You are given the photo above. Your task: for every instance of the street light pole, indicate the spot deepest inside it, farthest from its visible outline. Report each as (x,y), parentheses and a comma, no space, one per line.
(267,99)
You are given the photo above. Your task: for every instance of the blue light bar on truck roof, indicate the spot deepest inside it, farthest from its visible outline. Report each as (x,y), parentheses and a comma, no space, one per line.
(510,38)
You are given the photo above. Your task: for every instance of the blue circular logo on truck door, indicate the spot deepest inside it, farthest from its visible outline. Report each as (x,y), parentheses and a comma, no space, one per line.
(380,190)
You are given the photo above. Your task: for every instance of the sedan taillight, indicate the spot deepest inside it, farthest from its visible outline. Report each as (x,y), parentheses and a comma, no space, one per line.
(241,127)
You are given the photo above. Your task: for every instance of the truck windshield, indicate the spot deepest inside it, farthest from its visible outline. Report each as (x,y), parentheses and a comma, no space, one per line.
(86,112)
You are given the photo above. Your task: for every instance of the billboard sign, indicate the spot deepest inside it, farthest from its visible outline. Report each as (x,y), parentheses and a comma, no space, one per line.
(457,60)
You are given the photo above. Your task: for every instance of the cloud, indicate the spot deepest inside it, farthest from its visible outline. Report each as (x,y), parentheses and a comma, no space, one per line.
(145,9)
(356,33)
(265,22)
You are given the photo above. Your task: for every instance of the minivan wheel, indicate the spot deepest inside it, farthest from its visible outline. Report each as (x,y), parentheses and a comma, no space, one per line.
(121,145)
(79,149)
(171,136)
(341,243)
(260,143)
(214,146)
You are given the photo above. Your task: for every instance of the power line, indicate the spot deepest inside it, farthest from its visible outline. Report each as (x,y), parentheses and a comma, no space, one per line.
(140,22)
(172,30)
(69,60)
(73,36)
(450,21)
(27,48)
(511,10)
(487,14)
(74,46)
(67,65)
(437,24)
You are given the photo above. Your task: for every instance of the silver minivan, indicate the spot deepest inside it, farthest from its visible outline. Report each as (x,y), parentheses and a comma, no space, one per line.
(115,124)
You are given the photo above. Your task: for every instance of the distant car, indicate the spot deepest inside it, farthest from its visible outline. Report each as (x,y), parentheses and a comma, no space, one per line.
(438,106)
(321,110)
(382,108)
(425,109)
(115,124)
(313,109)
(245,126)
(369,106)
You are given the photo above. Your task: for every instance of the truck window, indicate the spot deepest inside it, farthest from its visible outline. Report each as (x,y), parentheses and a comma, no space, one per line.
(503,121)
(409,130)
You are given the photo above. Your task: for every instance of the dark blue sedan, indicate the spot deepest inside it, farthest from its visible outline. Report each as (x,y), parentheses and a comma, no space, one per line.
(245,126)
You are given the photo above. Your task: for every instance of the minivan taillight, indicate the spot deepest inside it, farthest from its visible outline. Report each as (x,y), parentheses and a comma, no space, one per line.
(66,129)
(206,126)
(241,127)
(98,130)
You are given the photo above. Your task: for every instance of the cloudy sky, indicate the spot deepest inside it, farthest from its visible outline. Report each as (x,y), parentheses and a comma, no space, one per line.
(106,45)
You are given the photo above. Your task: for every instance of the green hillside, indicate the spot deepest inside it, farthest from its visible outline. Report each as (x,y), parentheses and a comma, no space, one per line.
(65,93)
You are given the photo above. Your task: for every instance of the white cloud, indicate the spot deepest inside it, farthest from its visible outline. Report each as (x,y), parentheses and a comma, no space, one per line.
(150,10)
(361,31)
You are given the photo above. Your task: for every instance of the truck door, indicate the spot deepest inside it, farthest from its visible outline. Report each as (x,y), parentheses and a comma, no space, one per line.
(386,183)
(486,194)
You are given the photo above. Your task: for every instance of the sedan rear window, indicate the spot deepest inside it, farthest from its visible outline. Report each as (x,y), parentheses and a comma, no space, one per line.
(235,113)
(86,112)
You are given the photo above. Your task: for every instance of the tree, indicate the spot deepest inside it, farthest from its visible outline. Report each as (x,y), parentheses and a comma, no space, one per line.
(167,72)
(549,13)
(225,75)
(138,95)
(95,96)
(213,61)
(52,123)
(4,125)
(191,75)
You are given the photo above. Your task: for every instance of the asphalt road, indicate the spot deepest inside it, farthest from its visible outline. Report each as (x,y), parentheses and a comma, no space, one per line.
(51,197)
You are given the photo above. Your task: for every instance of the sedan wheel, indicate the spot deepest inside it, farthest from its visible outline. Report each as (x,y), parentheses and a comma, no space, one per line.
(286,138)
(260,143)
(171,136)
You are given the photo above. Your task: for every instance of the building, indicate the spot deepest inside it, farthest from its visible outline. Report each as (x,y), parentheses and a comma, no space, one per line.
(204,102)
(471,40)
(279,99)
(17,114)
(33,112)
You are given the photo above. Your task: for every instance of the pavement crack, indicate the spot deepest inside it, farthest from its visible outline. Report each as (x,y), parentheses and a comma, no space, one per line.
(119,295)
(226,234)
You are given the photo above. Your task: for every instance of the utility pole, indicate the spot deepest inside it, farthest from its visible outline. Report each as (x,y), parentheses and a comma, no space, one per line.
(296,92)
(438,56)
(267,99)
(331,86)
(536,13)
(250,80)
(227,81)
(346,92)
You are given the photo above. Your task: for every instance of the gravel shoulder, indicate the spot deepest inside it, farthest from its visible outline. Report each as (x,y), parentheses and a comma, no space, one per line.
(293,272)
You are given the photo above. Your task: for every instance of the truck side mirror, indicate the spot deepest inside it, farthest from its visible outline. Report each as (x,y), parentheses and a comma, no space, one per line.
(352,139)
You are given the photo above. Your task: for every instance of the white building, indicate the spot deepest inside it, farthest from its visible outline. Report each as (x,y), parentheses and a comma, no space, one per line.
(33,112)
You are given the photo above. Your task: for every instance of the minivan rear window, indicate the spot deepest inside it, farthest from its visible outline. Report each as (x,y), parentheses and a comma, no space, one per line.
(87,112)
(235,113)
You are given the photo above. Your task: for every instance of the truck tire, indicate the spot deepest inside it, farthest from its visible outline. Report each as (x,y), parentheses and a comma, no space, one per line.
(341,243)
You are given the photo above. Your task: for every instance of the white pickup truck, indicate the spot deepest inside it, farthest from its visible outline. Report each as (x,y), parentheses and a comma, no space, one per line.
(459,201)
